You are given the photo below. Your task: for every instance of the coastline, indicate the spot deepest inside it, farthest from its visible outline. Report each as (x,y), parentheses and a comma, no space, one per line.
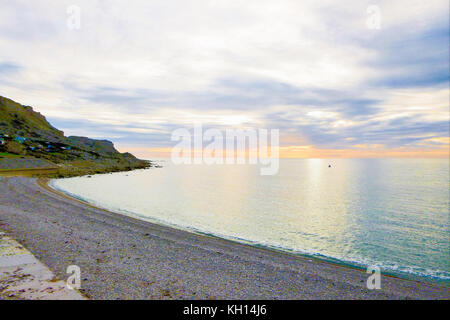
(149,261)
(46,184)
(42,168)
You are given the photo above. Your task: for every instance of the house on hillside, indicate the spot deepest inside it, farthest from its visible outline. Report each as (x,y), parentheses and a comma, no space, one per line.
(51,148)
(20,139)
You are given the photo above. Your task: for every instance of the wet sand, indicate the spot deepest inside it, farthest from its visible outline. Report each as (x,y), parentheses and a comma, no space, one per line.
(125,258)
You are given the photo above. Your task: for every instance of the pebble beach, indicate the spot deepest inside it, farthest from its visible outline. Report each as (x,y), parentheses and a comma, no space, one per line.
(124,258)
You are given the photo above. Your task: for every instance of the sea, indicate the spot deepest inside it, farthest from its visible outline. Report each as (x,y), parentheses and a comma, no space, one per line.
(388,213)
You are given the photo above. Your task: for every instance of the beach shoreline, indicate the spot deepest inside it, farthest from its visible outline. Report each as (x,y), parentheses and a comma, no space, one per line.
(125,258)
(46,184)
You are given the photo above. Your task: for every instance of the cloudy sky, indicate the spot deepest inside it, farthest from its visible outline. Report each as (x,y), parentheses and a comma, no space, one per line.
(338,78)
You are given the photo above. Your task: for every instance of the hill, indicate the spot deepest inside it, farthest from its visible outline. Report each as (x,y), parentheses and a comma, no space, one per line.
(26,133)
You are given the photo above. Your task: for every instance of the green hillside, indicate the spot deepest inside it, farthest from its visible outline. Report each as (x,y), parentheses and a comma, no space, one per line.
(16,119)
(26,133)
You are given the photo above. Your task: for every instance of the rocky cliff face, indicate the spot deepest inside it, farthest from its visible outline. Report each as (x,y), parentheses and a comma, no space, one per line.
(99,146)
(19,120)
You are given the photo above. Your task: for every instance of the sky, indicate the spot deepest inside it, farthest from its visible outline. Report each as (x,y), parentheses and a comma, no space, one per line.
(337,78)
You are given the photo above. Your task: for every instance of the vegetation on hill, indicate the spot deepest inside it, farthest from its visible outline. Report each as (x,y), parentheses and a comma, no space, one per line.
(26,133)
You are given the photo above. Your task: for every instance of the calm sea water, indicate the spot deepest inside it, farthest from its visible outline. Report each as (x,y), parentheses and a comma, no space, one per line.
(393,213)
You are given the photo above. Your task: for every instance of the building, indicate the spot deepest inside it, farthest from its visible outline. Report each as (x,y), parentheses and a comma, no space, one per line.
(20,139)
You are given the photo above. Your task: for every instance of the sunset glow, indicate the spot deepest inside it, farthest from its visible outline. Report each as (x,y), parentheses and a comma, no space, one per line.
(333,84)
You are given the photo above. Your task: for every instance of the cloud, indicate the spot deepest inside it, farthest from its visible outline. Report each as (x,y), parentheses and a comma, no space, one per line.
(135,71)
(8,68)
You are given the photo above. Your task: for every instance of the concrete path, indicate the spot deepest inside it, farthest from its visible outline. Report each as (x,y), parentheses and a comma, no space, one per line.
(22,276)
